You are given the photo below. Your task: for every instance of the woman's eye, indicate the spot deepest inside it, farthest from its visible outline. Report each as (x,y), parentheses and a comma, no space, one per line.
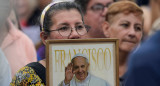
(63,28)
(79,27)
(138,29)
(83,66)
(97,7)
(125,25)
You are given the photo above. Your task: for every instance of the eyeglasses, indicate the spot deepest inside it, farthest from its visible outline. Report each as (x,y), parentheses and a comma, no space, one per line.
(99,7)
(66,30)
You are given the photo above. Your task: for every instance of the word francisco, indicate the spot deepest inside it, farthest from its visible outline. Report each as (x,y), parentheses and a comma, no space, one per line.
(99,59)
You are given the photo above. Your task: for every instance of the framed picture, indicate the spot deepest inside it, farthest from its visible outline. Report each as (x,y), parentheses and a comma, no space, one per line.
(102,55)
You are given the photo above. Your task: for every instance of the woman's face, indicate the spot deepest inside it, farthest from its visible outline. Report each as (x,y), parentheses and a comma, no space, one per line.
(69,18)
(128,29)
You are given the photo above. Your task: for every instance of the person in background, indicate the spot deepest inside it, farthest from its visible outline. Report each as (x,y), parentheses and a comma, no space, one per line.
(5,70)
(43,3)
(40,47)
(145,62)
(17,47)
(94,15)
(14,19)
(155,17)
(77,73)
(59,20)
(28,14)
(144,4)
(25,9)
(124,21)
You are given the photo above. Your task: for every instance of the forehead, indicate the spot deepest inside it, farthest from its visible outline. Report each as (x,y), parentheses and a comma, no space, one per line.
(104,2)
(79,60)
(66,16)
(131,17)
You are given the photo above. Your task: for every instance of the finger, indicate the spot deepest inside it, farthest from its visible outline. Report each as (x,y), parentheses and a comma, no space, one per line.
(65,69)
(71,69)
(70,66)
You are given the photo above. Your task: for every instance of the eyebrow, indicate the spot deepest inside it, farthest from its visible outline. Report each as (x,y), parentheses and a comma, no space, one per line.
(138,24)
(78,23)
(129,22)
(63,24)
(97,4)
(68,24)
(125,21)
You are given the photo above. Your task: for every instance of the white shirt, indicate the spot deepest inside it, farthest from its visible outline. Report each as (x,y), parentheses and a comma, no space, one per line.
(80,83)
(89,81)
(5,71)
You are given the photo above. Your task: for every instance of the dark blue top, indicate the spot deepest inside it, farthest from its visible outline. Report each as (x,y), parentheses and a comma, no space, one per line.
(144,64)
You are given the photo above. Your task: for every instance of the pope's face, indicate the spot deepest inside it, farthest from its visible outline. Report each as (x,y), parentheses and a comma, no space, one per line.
(80,67)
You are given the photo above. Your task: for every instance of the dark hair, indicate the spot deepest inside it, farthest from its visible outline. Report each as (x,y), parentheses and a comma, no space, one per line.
(47,22)
(83,4)
(142,2)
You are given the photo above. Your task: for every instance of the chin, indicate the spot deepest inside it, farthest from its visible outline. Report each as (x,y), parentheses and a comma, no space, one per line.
(80,78)
(127,49)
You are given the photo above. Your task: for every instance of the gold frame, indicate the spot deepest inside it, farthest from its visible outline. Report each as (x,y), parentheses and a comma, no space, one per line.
(100,40)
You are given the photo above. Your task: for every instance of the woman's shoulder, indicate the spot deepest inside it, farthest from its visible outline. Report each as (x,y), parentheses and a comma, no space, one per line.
(27,76)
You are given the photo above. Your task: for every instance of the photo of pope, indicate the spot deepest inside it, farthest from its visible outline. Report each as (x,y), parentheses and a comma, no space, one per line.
(77,73)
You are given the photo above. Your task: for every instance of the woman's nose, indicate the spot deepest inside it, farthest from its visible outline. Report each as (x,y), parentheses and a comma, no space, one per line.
(74,34)
(132,32)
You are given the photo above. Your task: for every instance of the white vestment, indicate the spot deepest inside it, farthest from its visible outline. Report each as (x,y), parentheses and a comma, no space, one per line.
(90,80)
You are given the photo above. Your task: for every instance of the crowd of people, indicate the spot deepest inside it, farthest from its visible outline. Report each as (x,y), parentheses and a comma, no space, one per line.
(26,25)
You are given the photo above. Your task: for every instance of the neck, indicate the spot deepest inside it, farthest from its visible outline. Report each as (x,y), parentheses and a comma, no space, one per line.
(43,62)
(122,62)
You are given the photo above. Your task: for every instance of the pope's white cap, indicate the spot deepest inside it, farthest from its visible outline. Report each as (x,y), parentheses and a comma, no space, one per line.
(81,55)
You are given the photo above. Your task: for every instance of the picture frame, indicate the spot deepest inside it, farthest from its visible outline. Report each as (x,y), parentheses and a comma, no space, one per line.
(103,55)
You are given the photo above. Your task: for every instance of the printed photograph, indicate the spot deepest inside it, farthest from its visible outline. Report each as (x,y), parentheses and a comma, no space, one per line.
(88,62)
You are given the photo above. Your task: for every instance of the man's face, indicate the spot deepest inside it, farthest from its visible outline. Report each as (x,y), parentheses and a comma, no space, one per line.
(95,16)
(80,67)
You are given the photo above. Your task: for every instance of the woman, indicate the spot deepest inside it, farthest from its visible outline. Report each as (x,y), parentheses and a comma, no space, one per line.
(61,20)
(125,22)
